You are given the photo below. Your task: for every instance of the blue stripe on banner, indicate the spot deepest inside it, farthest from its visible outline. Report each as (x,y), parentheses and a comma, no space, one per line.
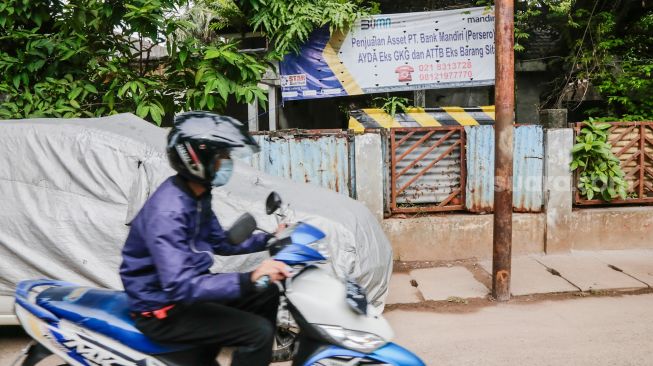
(307,73)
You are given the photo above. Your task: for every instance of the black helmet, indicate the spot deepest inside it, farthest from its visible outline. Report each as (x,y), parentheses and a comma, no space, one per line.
(198,138)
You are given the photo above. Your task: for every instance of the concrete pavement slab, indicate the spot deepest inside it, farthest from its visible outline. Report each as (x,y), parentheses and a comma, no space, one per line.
(636,263)
(531,277)
(587,272)
(443,282)
(401,291)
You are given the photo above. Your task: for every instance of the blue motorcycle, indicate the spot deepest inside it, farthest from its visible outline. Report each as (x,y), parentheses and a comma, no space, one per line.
(88,326)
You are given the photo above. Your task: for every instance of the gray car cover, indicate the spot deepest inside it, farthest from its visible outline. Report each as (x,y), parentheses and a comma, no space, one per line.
(69,187)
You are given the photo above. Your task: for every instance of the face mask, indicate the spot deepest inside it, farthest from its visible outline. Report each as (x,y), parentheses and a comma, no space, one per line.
(223,173)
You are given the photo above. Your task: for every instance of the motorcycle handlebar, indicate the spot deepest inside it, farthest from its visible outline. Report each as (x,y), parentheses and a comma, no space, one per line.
(262,283)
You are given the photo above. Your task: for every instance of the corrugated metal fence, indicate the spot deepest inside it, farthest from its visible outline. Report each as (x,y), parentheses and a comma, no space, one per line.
(528,169)
(451,168)
(323,157)
(431,169)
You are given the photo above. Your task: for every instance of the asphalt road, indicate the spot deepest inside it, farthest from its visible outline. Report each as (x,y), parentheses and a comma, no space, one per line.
(583,331)
(592,331)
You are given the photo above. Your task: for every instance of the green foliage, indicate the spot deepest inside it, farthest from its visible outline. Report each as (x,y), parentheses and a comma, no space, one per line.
(621,66)
(291,21)
(72,58)
(520,34)
(525,12)
(600,174)
(391,105)
(604,44)
(610,48)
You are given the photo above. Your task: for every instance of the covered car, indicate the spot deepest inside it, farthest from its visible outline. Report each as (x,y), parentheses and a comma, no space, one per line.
(69,188)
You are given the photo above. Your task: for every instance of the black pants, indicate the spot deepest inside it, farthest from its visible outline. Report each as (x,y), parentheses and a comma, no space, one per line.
(248,323)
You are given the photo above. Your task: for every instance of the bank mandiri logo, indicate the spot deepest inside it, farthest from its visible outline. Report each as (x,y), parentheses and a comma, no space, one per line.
(404,73)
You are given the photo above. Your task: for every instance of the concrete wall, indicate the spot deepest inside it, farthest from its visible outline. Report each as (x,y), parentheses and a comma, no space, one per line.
(451,237)
(611,228)
(558,188)
(465,97)
(369,172)
(530,81)
(312,114)
(559,229)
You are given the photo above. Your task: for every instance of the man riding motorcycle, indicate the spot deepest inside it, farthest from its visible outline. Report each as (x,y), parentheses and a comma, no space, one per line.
(167,255)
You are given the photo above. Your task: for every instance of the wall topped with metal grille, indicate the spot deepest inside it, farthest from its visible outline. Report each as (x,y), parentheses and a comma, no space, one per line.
(362,119)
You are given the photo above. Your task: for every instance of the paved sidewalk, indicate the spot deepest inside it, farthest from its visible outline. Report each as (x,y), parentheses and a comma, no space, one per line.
(578,271)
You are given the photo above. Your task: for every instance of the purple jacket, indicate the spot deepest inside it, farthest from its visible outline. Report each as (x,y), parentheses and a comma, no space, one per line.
(170,247)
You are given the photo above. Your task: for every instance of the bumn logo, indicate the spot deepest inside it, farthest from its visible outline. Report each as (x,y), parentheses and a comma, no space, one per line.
(373,23)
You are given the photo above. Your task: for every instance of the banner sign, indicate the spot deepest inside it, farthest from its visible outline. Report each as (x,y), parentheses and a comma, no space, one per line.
(394,52)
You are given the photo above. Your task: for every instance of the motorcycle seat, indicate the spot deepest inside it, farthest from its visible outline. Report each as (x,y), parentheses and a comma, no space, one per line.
(102,311)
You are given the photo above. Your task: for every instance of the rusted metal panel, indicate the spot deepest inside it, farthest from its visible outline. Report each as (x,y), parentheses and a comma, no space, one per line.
(427,169)
(528,169)
(480,169)
(317,157)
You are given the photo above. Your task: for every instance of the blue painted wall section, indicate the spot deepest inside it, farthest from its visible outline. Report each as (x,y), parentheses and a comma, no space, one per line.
(479,192)
(528,169)
(323,160)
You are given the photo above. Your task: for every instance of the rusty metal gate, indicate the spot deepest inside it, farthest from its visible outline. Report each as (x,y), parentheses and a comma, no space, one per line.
(632,144)
(427,169)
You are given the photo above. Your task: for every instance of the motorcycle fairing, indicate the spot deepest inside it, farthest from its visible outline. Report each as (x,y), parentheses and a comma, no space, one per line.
(305,234)
(102,311)
(298,254)
(390,354)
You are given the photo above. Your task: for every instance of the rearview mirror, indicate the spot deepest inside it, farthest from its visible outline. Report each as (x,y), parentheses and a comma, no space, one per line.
(242,229)
(272,203)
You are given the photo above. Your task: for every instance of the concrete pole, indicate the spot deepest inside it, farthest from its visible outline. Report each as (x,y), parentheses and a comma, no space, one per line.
(273,113)
(252,115)
(419,98)
(505,106)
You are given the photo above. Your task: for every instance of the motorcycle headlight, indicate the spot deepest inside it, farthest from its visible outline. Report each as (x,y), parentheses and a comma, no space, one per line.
(358,341)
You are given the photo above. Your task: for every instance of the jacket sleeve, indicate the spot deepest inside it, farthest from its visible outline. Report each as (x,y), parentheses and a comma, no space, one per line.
(221,246)
(167,241)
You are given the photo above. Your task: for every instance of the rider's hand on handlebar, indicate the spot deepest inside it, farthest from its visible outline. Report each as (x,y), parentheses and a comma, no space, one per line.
(280,228)
(276,270)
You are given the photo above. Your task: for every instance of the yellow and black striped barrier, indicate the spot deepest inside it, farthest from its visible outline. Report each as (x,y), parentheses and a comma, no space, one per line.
(362,119)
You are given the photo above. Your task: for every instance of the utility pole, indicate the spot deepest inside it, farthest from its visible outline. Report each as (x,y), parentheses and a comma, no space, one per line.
(503,147)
